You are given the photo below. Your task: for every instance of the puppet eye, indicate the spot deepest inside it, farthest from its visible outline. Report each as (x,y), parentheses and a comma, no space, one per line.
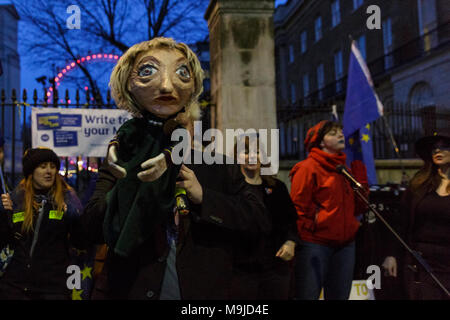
(147,70)
(183,72)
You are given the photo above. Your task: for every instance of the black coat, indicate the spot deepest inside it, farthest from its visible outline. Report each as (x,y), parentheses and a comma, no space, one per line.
(412,272)
(257,252)
(205,247)
(40,272)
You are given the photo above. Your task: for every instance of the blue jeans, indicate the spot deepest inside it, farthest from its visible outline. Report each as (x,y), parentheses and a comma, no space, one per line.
(318,266)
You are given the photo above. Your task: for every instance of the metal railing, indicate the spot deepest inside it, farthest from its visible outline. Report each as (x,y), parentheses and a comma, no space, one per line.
(15,126)
(407,123)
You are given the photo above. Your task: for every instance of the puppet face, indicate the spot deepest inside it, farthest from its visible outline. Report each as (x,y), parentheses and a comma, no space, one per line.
(161,81)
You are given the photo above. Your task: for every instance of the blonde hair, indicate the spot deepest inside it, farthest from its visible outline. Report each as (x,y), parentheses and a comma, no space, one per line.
(57,192)
(121,72)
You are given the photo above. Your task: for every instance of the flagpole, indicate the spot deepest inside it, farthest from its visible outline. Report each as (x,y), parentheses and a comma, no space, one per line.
(3,181)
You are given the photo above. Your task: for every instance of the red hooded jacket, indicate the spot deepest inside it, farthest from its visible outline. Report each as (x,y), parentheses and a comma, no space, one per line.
(324,199)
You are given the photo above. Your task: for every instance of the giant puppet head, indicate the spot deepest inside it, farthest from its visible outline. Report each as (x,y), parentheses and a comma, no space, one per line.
(161,77)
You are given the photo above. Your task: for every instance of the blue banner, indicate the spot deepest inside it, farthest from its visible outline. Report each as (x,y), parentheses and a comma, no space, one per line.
(65,138)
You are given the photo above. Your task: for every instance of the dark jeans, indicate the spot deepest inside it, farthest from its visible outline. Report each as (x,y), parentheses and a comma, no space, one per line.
(318,266)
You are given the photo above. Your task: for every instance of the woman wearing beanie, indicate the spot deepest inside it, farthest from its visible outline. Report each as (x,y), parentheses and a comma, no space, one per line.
(38,221)
(327,210)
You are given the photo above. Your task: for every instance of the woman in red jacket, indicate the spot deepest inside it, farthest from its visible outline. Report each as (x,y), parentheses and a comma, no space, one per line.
(327,211)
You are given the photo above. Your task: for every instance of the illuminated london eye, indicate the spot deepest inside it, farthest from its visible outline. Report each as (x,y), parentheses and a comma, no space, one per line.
(103,57)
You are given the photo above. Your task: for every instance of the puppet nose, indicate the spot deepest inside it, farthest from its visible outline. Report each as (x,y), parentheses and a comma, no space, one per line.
(166,84)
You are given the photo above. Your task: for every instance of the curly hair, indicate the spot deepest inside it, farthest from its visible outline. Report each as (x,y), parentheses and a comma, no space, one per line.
(121,72)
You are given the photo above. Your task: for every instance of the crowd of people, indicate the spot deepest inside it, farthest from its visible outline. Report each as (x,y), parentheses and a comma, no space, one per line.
(241,235)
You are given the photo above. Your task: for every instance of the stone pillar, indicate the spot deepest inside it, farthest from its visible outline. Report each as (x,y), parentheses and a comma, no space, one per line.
(242,53)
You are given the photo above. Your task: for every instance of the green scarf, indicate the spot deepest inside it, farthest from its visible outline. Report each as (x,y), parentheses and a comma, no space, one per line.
(134,207)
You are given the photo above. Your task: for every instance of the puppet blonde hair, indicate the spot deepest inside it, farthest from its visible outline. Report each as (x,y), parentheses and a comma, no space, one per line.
(121,72)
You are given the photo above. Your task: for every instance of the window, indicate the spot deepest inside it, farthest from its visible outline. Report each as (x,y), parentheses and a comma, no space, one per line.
(318,28)
(338,70)
(387,43)
(362,46)
(335,13)
(320,80)
(293,95)
(320,77)
(303,41)
(305,85)
(291,53)
(357,4)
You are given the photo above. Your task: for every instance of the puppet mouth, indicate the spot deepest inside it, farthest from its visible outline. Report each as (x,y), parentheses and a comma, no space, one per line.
(166,99)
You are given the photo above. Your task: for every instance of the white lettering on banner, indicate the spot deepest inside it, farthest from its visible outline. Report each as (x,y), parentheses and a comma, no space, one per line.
(76,132)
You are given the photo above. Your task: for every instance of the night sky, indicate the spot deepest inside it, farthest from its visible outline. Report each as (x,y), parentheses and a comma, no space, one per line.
(31,70)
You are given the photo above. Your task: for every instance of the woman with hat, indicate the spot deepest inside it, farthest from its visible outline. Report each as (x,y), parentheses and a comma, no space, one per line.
(327,210)
(38,221)
(426,225)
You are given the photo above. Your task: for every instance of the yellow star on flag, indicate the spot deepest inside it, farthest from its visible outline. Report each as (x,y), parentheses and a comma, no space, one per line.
(368,126)
(86,272)
(76,294)
(365,138)
(351,141)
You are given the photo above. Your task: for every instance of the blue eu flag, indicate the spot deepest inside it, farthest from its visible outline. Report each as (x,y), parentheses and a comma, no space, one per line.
(359,147)
(362,106)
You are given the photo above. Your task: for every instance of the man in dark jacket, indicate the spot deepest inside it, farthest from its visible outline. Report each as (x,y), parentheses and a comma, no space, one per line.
(199,266)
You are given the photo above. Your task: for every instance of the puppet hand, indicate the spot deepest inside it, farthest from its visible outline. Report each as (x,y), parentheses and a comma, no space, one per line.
(157,166)
(190,183)
(6,202)
(111,159)
(287,251)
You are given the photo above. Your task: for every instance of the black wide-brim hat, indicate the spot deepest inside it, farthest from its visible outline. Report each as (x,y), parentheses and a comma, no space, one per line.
(424,145)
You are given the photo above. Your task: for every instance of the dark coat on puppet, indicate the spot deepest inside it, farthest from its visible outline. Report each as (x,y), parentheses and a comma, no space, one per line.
(205,248)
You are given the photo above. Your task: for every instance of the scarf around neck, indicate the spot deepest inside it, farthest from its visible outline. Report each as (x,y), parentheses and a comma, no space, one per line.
(328,160)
